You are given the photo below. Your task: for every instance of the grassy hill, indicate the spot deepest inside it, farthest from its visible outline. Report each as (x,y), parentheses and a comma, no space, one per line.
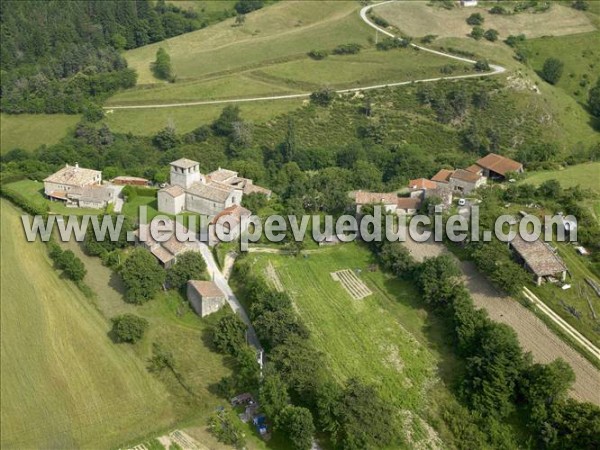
(29,131)
(64,383)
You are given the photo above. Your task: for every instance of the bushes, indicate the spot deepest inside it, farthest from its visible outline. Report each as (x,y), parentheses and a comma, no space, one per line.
(70,264)
(323,97)
(390,43)
(347,49)
(482,66)
(229,335)
(498,10)
(477,33)
(475,19)
(491,35)
(514,41)
(318,54)
(129,328)
(247,6)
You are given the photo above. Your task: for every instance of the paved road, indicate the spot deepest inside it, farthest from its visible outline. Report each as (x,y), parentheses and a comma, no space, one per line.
(234,303)
(495,69)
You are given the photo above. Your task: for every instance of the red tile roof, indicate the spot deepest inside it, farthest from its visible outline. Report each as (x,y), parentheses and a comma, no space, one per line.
(442,176)
(206,288)
(408,203)
(421,183)
(499,164)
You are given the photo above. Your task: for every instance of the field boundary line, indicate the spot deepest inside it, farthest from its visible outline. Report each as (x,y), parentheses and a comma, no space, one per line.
(562,324)
(496,69)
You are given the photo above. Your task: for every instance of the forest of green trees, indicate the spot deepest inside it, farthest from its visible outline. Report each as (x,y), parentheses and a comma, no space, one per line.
(59,56)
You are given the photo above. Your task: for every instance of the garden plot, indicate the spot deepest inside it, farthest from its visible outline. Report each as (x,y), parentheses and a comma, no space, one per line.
(353,285)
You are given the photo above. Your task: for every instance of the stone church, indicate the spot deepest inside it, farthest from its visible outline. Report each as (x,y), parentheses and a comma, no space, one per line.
(209,194)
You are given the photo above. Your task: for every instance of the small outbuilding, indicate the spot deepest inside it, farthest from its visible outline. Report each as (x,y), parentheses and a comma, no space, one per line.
(205,297)
(539,259)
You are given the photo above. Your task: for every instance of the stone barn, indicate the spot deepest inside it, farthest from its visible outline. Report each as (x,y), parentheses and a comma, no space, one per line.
(205,297)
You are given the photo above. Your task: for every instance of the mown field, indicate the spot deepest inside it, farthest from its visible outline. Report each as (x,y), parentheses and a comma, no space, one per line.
(64,383)
(29,131)
(386,338)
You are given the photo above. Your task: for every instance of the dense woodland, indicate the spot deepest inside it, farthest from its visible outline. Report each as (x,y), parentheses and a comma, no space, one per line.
(59,56)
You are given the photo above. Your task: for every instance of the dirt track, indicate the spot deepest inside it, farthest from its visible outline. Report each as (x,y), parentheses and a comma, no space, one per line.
(533,334)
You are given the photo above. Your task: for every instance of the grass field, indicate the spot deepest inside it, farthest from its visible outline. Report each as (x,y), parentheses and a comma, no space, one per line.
(29,131)
(385,338)
(585,175)
(64,383)
(149,121)
(419,19)
(579,53)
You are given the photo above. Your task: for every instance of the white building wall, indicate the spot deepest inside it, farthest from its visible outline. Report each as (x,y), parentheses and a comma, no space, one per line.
(169,204)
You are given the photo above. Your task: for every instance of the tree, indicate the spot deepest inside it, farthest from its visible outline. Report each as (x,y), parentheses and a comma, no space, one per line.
(189,266)
(229,334)
(72,266)
(475,19)
(594,99)
(297,424)
(240,20)
(129,328)
(572,425)
(166,139)
(93,113)
(142,275)
(437,279)
(227,429)
(224,124)
(581,5)
(396,258)
(549,189)
(288,148)
(273,397)
(477,33)
(161,67)
(347,414)
(247,374)
(323,97)
(552,70)
(542,385)
(491,35)
(482,66)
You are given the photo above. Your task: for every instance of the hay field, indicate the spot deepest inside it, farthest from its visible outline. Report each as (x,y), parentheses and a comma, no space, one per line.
(29,131)
(64,383)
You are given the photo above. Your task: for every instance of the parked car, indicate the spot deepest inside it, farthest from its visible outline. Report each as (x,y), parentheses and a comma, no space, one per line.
(462,202)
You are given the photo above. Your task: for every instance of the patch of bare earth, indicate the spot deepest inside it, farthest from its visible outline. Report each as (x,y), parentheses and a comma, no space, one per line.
(533,334)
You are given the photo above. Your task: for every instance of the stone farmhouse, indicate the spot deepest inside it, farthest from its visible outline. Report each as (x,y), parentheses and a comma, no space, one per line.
(205,297)
(79,187)
(209,194)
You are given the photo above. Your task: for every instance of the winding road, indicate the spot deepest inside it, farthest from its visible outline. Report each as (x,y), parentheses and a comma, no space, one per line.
(495,70)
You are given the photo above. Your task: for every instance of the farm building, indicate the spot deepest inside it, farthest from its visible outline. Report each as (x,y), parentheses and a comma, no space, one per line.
(495,166)
(79,187)
(468,3)
(231,221)
(539,259)
(389,200)
(464,181)
(205,297)
(209,194)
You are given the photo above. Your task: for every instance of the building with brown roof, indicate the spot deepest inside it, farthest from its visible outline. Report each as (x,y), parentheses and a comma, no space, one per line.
(205,297)
(130,181)
(421,184)
(166,251)
(407,205)
(464,181)
(539,259)
(497,166)
(387,199)
(209,194)
(442,177)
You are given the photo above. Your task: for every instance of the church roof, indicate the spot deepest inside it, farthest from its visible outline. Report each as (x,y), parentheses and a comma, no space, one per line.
(185,163)
(210,191)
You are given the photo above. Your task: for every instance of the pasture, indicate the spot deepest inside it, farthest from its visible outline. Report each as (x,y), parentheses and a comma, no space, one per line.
(419,19)
(64,383)
(584,175)
(29,131)
(580,55)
